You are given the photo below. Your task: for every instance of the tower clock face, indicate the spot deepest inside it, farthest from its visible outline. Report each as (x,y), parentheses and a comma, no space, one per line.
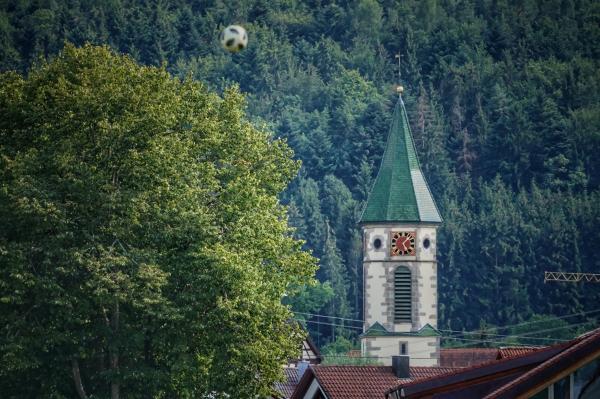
(403,243)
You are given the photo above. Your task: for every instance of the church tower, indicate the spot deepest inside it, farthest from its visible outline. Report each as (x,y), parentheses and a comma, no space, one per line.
(399,225)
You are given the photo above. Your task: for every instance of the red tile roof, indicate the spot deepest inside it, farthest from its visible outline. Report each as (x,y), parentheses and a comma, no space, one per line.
(420,373)
(466,357)
(506,352)
(286,388)
(355,382)
(360,382)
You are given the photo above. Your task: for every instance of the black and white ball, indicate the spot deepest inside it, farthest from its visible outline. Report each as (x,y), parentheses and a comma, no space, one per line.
(234,38)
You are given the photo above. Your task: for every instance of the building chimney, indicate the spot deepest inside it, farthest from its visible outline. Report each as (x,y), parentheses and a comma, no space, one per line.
(302,367)
(401,366)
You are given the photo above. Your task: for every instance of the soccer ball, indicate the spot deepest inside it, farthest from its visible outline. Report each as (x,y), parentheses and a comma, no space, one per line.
(234,38)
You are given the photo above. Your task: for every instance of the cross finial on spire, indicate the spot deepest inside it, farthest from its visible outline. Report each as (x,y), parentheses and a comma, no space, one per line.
(399,88)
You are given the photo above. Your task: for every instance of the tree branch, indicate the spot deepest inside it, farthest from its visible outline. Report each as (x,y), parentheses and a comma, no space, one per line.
(77,378)
(114,354)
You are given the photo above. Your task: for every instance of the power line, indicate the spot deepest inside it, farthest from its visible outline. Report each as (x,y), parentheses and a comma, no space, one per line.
(491,328)
(470,342)
(331,317)
(526,334)
(457,331)
(556,328)
(529,322)
(370,357)
(329,324)
(511,336)
(522,337)
(340,355)
(506,337)
(482,341)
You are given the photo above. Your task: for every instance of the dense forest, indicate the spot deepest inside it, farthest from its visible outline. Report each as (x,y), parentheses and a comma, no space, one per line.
(504,102)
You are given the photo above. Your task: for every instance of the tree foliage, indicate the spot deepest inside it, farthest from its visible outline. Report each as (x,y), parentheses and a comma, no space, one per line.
(143,250)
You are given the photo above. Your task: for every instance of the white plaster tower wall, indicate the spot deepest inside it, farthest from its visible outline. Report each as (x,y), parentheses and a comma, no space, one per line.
(423,351)
(379,267)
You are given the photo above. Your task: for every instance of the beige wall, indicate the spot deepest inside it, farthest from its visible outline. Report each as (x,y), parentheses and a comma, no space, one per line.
(423,351)
(378,274)
(378,269)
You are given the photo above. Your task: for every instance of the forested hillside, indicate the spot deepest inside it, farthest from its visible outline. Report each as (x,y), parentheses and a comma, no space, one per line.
(504,101)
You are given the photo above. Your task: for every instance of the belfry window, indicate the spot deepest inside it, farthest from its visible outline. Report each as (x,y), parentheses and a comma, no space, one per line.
(402,295)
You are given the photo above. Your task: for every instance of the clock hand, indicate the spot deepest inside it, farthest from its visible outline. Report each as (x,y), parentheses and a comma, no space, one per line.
(406,244)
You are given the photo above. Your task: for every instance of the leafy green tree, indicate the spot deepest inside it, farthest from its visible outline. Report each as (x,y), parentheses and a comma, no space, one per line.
(143,251)
(338,352)
(309,299)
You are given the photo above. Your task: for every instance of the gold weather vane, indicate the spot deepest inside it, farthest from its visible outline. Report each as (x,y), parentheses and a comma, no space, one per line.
(399,87)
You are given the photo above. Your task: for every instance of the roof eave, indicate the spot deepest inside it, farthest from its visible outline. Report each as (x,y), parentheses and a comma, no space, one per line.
(388,222)
(444,382)
(577,355)
(303,384)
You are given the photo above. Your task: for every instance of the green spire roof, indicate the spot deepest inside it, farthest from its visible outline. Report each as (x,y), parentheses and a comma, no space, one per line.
(400,192)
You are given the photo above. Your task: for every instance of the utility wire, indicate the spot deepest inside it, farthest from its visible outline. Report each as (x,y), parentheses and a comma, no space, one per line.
(526,335)
(370,357)
(465,345)
(482,341)
(474,333)
(542,321)
(331,317)
(470,342)
(467,332)
(514,336)
(330,324)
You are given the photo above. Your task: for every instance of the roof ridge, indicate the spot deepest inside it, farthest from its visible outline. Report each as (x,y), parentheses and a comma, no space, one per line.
(352,366)
(478,366)
(470,349)
(419,170)
(411,151)
(410,141)
(574,345)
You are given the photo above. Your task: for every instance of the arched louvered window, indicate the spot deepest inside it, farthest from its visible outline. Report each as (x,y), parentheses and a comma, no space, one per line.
(402,295)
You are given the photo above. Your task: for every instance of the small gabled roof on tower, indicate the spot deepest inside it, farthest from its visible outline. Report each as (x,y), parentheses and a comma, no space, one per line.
(377,330)
(400,192)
